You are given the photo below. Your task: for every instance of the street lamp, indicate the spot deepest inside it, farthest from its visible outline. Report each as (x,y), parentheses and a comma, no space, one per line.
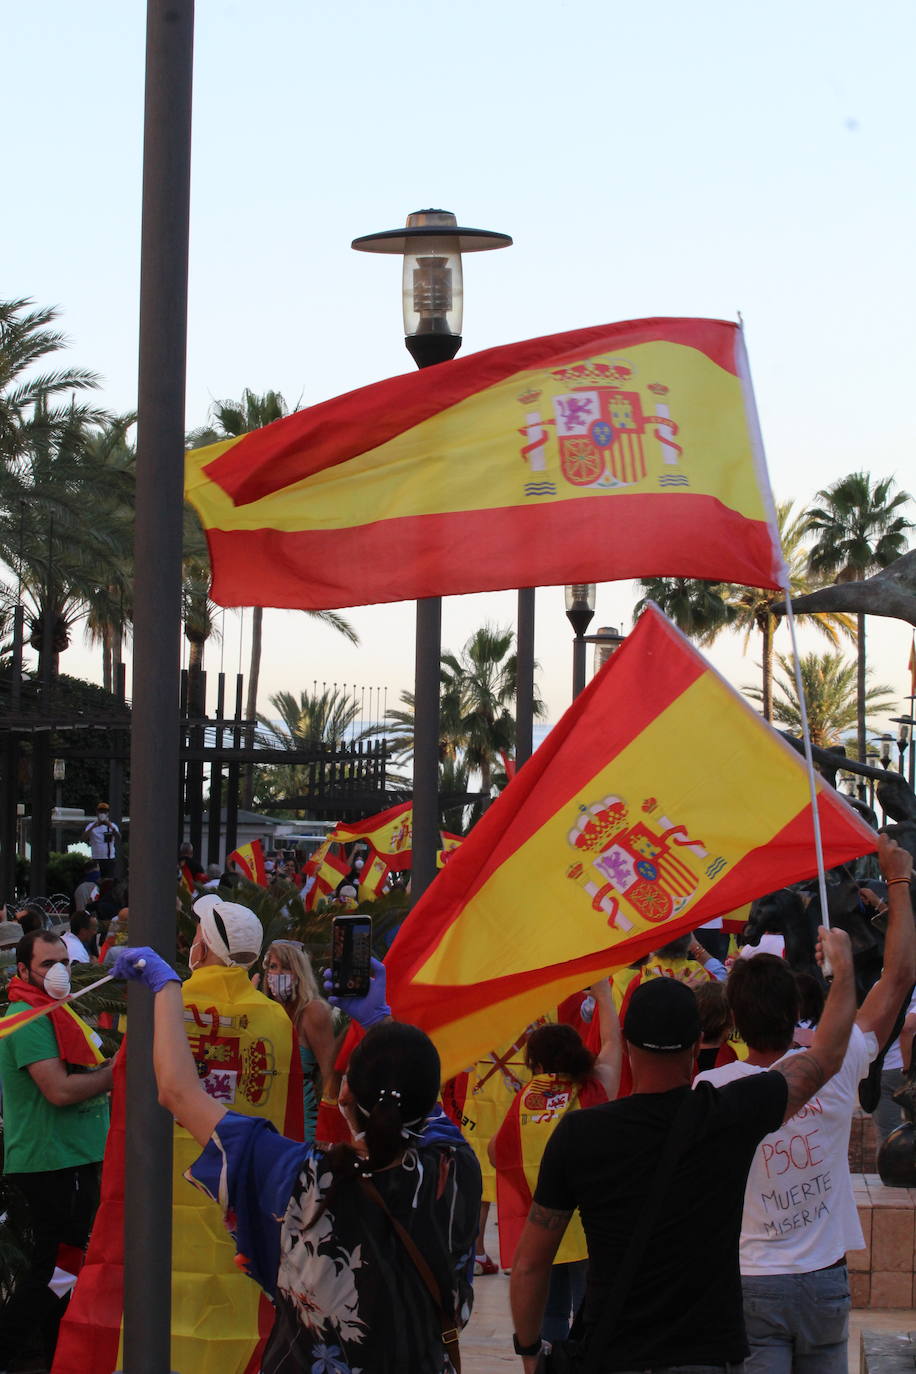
(580,608)
(906,737)
(431,244)
(433,298)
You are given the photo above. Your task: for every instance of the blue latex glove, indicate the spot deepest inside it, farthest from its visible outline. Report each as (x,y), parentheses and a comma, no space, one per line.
(155,972)
(366,1010)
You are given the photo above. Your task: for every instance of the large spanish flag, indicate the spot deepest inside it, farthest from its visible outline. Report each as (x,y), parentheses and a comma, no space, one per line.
(247,1055)
(660,799)
(618,451)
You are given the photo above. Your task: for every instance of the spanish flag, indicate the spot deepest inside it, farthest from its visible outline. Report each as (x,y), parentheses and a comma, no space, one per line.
(660,799)
(247,1056)
(249,860)
(604,453)
(389,837)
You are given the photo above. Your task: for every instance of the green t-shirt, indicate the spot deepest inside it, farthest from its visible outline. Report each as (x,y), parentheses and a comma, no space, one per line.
(37,1135)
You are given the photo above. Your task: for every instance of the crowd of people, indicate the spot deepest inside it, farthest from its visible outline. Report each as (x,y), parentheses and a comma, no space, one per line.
(667,1151)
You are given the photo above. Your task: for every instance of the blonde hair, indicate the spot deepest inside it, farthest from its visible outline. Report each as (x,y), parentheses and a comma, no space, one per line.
(293,959)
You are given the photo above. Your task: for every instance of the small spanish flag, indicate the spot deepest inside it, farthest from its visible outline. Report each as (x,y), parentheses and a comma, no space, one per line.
(9,1024)
(621,450)
(660,800)
(249,860)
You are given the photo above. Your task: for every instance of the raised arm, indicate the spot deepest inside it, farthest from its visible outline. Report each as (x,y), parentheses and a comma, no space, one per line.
(180,1089)
(610,1055)
(880,1008)
(808,1071)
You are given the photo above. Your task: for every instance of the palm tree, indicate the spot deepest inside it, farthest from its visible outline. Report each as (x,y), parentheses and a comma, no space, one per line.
(315,718)
(831,698)
(860,529)
(753,606)
(63,525)
(30,404)
(477,686)
(701,609)
(230,420)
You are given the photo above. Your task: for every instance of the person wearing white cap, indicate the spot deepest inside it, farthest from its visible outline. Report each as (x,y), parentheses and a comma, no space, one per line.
(228,934)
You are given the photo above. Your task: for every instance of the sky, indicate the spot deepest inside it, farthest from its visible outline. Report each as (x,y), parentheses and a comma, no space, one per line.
(672,159)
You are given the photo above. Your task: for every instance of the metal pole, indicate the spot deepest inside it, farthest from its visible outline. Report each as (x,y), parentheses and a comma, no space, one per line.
(579,655)
(157,618)
(425,842)
(524,677)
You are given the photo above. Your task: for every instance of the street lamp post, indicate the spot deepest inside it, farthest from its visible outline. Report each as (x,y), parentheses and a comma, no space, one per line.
(906,736)
(431,245)
(580,608)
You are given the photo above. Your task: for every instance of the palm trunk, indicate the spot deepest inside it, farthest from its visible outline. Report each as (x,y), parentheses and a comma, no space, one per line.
(767,631)
(251,703)
(860,688)
(106,658)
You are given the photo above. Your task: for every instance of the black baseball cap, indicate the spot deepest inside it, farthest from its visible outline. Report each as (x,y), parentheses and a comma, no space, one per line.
(662,1016)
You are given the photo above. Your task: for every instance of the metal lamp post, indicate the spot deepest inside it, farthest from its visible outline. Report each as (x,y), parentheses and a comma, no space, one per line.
(431,245)
(906,737)
(580,608)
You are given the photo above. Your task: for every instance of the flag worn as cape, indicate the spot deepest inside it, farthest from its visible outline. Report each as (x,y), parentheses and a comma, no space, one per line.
(249,859)
(659,800)
(248,1056)
(518,1148)
(622,450)
(186,878)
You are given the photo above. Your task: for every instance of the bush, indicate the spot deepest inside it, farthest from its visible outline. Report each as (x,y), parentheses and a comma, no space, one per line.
(64,873)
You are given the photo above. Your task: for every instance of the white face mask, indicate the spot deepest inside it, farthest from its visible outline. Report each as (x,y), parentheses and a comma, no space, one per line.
(281,985)
(57,981)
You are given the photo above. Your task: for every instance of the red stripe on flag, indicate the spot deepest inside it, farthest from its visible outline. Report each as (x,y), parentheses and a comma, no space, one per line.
(336,430)
(599,538)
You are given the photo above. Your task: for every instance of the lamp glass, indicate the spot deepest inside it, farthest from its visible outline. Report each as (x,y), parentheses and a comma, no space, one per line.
(580,596)
(432,289)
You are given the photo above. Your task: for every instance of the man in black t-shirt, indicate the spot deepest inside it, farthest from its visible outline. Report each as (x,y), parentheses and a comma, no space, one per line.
(603,1160)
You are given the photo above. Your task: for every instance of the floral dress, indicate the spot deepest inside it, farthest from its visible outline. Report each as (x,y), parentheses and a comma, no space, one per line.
(348,1297)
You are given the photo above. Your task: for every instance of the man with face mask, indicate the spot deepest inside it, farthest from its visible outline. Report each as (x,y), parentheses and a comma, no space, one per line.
(55,1115)
(102,836)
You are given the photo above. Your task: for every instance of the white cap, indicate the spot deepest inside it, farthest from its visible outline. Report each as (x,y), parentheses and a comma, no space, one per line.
(233,932)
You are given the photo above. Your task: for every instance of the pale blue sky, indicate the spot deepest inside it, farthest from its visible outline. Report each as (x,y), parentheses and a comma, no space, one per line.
(647,159)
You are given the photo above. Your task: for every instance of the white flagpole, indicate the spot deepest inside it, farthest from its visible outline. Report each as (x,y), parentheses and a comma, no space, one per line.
(763,477)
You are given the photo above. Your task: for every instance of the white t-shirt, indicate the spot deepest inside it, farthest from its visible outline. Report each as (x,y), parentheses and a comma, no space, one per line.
(78,952)
(894,1058)
(799,1213)
(101,836)
(771,943)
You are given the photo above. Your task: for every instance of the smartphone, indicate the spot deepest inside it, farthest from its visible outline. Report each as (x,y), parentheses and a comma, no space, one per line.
(351,951)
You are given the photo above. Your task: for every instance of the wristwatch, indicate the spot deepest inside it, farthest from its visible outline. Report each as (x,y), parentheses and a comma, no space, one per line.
(526,1351)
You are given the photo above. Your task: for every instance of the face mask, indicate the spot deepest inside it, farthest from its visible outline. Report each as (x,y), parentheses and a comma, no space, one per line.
(102,815)
(281,985)
(57,981)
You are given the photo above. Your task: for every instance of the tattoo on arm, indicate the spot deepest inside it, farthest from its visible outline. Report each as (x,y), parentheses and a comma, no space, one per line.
(804,1075)
(548,1218)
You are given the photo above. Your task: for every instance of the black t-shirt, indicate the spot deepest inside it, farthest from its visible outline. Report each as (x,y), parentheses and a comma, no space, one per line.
(684,1301)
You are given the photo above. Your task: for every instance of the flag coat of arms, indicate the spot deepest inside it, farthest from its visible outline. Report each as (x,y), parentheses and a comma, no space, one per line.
(660,800)
(617,451)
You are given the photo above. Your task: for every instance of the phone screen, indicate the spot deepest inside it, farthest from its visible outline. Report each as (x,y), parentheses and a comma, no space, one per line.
(351,952)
